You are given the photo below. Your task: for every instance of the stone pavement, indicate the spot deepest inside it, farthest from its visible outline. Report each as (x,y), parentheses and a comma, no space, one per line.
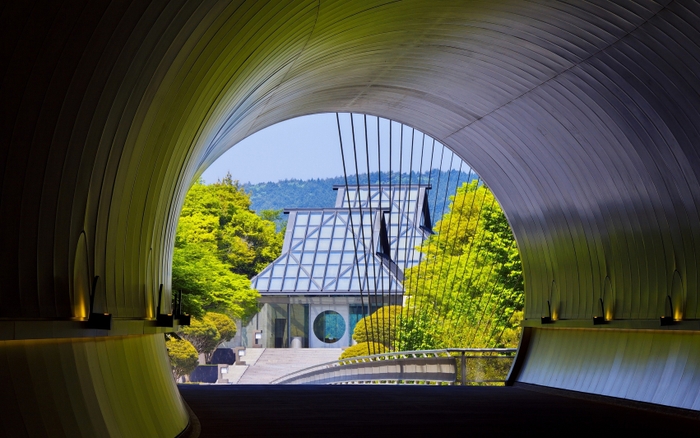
(266,365)
(251,357)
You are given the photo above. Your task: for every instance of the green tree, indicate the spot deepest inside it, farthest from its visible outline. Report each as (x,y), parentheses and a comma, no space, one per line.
(183,356)
(207,333)
(208,284)
(224,325)
(469,283)
(220,243)
(246,241)
(276,216)
(203,336)
(419,331)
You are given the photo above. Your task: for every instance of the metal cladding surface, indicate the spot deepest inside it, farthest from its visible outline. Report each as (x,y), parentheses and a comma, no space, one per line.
(97,387)
(582,116)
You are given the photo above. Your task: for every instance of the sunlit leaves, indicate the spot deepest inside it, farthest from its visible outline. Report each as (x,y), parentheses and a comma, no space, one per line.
(208,332)
(470,281)
(220,243)
(183,356)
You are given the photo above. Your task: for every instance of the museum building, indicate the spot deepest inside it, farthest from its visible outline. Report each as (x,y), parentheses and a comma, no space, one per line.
(339,264)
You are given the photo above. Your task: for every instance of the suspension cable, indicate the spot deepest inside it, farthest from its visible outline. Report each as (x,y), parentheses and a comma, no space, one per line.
(400,203)
(443,309)
(409,234)
(391,213)
(424,256)
(478,304)
(437,185)
(419,213)
(460,211)
(381,218)
(471,276)
(352,226)
(372,251)
(440,234)
(471,241)
(491,294)
(362,217)
(427,300)
(505,326)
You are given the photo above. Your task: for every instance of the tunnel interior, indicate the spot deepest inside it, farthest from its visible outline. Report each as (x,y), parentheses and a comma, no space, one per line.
(581,116)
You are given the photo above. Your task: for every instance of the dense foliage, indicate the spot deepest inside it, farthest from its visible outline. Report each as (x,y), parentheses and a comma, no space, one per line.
(183,356)
(379,327)
(363,349)
(468,290)
(207,333)
(220,244)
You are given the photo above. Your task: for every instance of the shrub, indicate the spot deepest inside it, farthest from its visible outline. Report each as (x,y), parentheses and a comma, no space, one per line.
(224,324)
(363,349)
(207,333)
(183,356)
(379,327)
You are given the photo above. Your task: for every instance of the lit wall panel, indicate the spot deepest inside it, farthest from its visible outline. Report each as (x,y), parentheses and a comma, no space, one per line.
(106,387)
(648,366)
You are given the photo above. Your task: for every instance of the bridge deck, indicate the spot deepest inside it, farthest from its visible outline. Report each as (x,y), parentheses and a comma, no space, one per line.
(314,410)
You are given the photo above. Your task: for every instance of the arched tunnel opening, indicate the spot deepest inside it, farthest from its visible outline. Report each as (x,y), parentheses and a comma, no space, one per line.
(404,248)
(582,117)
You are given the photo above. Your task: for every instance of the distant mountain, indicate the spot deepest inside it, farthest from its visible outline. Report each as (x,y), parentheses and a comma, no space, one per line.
(319,193)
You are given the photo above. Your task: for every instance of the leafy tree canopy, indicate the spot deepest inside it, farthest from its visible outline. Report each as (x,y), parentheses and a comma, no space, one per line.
(469,285)
(420,331)
(183,356)
(220,244)
(224,325)
(202,334)
(207,333)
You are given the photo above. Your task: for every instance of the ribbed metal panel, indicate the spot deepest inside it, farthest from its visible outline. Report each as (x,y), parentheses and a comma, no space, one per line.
(99,387)
(582,116)
(648,366)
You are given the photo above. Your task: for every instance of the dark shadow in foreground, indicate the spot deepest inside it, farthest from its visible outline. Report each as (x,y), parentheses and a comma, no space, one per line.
(314,410)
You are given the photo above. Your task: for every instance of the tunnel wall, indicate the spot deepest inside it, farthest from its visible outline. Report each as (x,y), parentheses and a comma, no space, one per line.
(641,365)
(92,387)
(582,121)
(581,116)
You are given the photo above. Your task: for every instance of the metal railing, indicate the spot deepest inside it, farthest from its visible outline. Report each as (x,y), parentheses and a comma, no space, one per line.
(464,366)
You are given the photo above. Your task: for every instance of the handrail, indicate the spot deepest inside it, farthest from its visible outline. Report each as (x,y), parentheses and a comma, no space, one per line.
(447,352)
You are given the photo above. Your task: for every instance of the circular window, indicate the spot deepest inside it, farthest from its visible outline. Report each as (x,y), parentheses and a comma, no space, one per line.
(329,326)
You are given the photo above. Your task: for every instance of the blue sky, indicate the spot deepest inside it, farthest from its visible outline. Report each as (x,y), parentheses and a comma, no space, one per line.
(308,147)
(302,148)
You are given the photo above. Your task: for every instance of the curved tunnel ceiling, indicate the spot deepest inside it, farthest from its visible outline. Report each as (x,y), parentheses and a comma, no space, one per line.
(581,116)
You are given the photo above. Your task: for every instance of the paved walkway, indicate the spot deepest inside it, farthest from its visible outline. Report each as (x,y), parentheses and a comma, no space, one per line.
(272,363)
(414,411)
(251,357)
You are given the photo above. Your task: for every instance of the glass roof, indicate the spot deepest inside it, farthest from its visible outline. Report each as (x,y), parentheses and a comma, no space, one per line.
(406,218)
(350,251)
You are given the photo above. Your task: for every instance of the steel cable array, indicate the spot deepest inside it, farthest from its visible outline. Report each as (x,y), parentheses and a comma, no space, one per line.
(434,289)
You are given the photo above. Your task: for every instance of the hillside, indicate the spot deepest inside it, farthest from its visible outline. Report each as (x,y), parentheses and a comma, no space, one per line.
(316,193)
